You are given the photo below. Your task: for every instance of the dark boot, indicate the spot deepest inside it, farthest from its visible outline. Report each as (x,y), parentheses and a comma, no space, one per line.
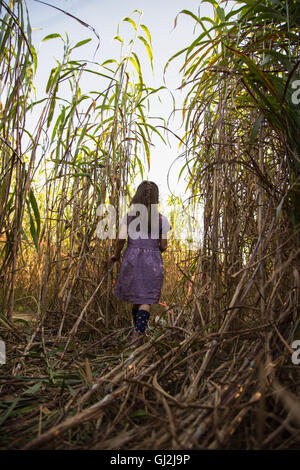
(141,321)
(142,318)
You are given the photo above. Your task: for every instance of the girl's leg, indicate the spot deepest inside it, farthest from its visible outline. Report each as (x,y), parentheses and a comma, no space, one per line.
(142,318)
(144,307)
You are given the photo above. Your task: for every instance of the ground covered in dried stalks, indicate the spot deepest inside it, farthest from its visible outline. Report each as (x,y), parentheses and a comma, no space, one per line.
(180,389)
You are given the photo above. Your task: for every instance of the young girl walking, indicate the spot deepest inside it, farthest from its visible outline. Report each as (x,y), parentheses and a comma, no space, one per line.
(142,272)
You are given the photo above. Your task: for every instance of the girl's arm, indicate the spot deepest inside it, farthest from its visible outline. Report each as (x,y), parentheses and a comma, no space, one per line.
(165,227)
(163,244)
(120,243)
(118,249)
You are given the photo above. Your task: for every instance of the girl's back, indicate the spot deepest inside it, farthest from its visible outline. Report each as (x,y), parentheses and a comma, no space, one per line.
(145,239)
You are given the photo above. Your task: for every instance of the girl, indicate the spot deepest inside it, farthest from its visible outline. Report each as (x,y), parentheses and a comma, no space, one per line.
(142,272)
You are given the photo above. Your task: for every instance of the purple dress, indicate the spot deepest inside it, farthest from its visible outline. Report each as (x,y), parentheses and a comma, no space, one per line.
(142,270)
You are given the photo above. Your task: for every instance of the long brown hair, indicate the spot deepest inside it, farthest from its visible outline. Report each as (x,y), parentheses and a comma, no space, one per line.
(147,193)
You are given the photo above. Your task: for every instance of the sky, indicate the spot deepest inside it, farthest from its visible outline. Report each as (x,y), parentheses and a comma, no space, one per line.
(104,16)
